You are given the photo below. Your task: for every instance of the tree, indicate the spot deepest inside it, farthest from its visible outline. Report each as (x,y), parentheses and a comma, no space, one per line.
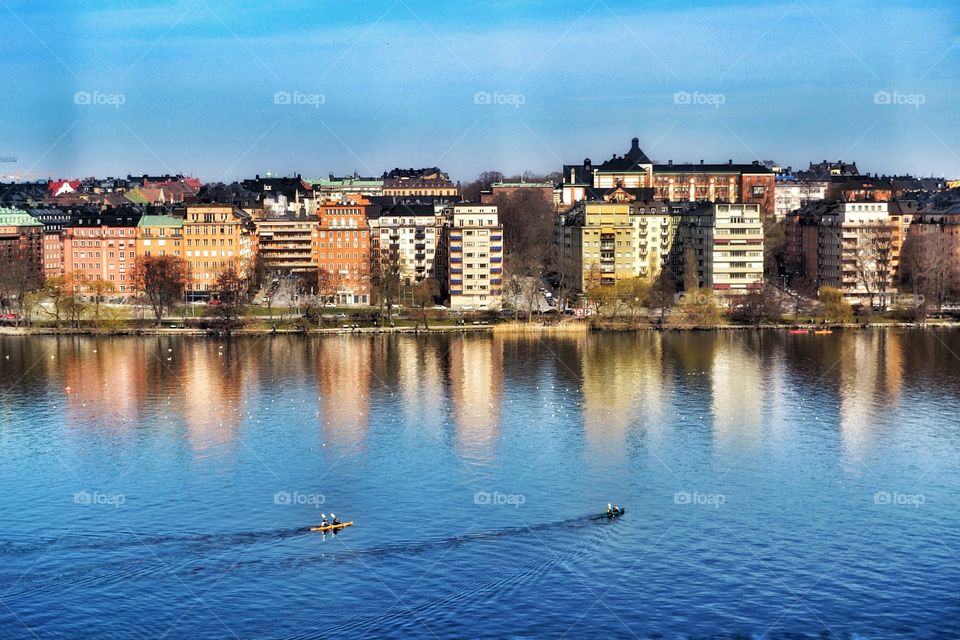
(162,280)
(20,273)
(633,295)
(663,293)
(926,269)
(832,305)
(774,247)
(873,259)
(100,290)
(471,190)
(528,228)
(230,290)
(385,279)
(58,291)
(425,295)
(759,304)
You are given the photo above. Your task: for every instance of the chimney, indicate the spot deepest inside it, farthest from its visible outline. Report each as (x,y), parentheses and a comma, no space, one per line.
(587,164)
(730,161)
(635,144)
(701,162)
(670,163)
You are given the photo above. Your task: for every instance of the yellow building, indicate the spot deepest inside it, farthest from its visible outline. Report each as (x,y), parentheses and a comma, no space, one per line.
(606,242)
(159,236)
(215,237)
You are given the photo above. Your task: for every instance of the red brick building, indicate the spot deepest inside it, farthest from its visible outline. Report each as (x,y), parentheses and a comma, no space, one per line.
(341,249)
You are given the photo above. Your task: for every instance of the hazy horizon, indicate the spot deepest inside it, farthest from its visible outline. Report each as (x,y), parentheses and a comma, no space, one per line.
(223,93)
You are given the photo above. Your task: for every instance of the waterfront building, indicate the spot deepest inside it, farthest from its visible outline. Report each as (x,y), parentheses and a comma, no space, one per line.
(217,237)
(285,243)
(100,246)
(851,246)
(418,182)
(409,234)
(54,220)
(341,249)
(473,274)
(21,241)
(601,243)
(719,247)
(687,182)
(160,235)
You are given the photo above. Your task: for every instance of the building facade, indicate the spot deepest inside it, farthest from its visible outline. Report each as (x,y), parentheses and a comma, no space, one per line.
(418,182)
(160,235)
(100,246)
(474,270)
(688,182)
(285,243)
(21,241)
(216,237)
(409,234)
(341,248)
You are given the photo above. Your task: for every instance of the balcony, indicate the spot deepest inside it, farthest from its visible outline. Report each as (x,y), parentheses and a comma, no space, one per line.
(419,256)
(455,259)
(456,282)
(455,238)
(496,270)
(420,246)
(460,270)
(496,238)
(496,248)
(496,282)
(494,259)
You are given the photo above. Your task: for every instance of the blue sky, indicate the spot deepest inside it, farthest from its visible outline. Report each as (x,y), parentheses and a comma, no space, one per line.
(224,90)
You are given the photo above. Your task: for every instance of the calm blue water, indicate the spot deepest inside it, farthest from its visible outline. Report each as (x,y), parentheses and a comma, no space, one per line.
(776,486)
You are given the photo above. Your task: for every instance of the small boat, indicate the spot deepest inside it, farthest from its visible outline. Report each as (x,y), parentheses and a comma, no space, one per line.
(333,527)
(823,332)
(613,514)
(799,331)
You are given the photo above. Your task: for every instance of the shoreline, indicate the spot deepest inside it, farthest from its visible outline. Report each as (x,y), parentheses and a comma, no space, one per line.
(502,328)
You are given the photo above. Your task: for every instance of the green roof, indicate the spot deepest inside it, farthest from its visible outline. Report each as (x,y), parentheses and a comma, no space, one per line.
(17,218)
(347,182)
(161,221)
(136,197)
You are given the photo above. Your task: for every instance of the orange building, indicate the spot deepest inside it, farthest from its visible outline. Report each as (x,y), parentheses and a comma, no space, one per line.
(160,236)
(341,249)
(101,246)
(215,237)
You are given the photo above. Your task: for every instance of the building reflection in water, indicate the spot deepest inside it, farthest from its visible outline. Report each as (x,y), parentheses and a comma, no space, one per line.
(870,384)
(344,376)
(624,388)
(420,381)
(475,375)
(737,385)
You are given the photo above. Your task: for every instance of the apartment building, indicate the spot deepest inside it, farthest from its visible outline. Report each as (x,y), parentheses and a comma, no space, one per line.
(285,242)
(683,182)
(160,235)
(341,249)
(410,234)
(215,237)
(21,240)
(601,243)
(418,182)
(852,246)
(101,246)
(474,270)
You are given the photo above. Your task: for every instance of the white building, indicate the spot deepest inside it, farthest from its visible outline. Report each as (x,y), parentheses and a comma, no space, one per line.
(735,255)
(474,241)
(414,232)
(790,194)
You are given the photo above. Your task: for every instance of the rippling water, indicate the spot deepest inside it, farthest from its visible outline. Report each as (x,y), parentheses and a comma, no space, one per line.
(776,486)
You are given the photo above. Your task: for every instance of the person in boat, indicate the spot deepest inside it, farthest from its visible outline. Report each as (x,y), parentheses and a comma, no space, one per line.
(323,522)
(616,509)
(609,509)
(335,520)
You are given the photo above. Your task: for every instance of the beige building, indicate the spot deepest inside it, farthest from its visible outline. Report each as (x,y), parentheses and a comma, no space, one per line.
(474,241)
(606,242)
(216,236)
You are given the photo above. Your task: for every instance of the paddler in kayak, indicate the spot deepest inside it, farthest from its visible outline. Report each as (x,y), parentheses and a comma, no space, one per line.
(323,522)
(609,510)
(334,518)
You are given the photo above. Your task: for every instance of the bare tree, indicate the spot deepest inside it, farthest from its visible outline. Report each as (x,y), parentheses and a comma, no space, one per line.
(162,280)
(874,262)
(663,294)
(230,291)
(385,279)
(20,273)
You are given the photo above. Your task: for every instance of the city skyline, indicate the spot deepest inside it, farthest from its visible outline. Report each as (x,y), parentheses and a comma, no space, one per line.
(223,93)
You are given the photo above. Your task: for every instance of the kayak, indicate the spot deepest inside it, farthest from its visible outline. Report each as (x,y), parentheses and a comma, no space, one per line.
(798,331)
(333,527)
(823,332)
(613,514)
